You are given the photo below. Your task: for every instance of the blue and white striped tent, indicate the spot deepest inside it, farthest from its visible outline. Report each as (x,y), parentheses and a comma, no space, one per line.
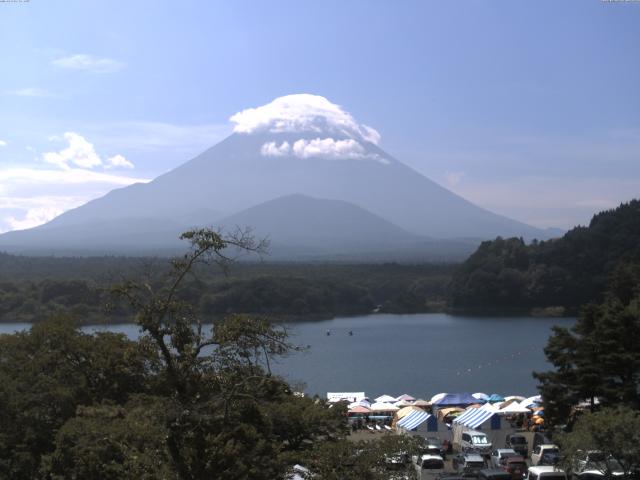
(413,420)
(474,419)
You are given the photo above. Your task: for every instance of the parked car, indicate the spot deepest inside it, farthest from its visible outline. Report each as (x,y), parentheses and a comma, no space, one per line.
(594,462)
(550,459)
(433,446)
(545,473)
(549,451)
(473,440)
(428,466)
(518,442)
(540,438)
(516,466)
(468,464)
(498,455)
(597,475)
(396,467)
(493,474)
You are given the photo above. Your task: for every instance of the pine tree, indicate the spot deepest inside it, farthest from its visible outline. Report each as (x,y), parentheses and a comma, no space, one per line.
(598,358)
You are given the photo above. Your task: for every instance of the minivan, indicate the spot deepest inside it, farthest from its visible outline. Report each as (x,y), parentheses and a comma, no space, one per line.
(476,441)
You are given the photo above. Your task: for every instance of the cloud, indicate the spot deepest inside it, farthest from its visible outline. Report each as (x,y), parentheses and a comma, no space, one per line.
(88,63)
(28,92)
(31,196)
(72,176)
(118,161)
(325,148)
(41,211)
(3,143)
(270,149)
(79,152)
(329,148)
(302,113)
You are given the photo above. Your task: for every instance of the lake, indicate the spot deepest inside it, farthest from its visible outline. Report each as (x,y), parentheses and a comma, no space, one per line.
(420,354)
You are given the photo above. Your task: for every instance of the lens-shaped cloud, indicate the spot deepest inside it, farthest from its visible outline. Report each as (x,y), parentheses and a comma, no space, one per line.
(302,113)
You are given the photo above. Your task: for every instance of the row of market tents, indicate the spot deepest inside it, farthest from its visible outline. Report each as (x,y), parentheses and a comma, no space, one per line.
(451,403)
(445,413)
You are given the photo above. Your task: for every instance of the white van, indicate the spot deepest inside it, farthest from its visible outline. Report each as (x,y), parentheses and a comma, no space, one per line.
(428,466)
(545,473)
(476,441)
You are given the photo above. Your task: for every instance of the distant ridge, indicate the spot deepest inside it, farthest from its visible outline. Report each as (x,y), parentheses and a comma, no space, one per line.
(297,145)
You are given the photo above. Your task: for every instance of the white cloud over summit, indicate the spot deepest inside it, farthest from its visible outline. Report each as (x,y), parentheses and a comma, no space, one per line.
(325,148)
(302,113)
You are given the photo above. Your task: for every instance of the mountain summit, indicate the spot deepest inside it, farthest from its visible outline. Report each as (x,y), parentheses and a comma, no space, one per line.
(298,144)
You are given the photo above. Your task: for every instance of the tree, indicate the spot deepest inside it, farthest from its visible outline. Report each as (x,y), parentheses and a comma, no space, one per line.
(46,373)
(301,421)
(184,401)
(223,418)
(598,358)
(112,442)
(615,432)
(346,460)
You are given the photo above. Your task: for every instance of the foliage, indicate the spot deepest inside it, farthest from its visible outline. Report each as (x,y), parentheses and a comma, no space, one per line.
(184,401)
(599,356)
(34,288)
(46,373)
(615,432)
(112,442)
(345,460)
(301,420)
(568,272)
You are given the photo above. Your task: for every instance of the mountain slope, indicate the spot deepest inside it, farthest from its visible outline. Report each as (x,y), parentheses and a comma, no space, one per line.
(308,146)
(299,220)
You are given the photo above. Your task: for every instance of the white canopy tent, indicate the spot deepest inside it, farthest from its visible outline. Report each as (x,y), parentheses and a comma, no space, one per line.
(480,396)
(437,397)
(406,397)
(527,402)
(519,398)
(386,399)
(334,397)
(383,407)
(514,408)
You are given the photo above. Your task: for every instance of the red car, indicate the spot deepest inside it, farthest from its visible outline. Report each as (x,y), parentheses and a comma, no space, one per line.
(516,466)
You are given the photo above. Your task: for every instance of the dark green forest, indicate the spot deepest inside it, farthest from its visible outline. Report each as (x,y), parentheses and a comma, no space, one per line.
(567,272)
(504,275)
(33,288)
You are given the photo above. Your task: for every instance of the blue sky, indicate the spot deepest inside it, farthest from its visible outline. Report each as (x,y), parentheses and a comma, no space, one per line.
(530,109)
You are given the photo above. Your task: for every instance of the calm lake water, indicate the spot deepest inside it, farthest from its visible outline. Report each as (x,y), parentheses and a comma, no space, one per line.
(420,354)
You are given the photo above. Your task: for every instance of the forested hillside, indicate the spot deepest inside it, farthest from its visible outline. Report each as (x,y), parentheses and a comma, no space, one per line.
(34,288)
(567,272)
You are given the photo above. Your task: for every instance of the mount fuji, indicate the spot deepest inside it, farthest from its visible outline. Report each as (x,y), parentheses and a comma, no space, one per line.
(299,169)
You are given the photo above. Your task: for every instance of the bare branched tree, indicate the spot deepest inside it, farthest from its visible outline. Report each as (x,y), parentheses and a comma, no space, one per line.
(205,371)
